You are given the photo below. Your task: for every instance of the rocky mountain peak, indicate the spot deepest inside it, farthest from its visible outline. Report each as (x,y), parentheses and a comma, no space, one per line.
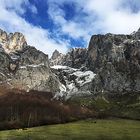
(75,58)
(56,54)
(12,42)
(23,66)
(57,58)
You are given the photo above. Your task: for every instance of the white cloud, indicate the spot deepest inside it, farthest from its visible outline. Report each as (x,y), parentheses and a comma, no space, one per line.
(102,16)
(11,21)
(72,28)
(33,9)
(92,17)
(114,16)
(14,5)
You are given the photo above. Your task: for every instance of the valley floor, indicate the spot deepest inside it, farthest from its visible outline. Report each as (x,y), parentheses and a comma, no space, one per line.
(115,129)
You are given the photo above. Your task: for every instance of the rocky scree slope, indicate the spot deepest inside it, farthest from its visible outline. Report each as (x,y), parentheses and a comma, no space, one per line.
(74,82)
(23,66)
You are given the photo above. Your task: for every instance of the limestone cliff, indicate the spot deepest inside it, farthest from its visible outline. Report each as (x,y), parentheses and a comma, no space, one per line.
(23,66)
(116,61)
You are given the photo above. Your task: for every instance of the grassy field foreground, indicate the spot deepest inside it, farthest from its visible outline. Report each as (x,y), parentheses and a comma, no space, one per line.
(115,129)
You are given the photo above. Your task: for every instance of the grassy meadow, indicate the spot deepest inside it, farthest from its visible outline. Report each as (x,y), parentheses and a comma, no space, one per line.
(113,129)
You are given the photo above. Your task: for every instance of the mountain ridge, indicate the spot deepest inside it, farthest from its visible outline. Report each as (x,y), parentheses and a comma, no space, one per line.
(110,57)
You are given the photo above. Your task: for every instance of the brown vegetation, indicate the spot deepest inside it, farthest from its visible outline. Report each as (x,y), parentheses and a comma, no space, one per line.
(19,109)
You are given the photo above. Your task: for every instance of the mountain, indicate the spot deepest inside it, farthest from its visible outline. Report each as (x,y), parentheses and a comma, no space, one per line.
(100,81)
(111,64)
(114,59)
(23,66)
(105,76)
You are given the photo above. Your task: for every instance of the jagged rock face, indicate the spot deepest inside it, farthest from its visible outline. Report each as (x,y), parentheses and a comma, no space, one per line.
(57,58)
(105,48)
(56,54)
(12,42)
(23,66)
(116,61)
(34,72)
(76,58)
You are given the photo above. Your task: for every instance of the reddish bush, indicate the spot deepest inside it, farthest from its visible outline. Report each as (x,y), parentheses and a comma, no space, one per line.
(22,109)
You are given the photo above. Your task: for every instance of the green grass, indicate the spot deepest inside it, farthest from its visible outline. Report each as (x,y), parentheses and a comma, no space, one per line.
(115,129)
(121,106)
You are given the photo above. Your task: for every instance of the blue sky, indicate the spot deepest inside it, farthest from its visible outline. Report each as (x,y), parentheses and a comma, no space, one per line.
(63,24)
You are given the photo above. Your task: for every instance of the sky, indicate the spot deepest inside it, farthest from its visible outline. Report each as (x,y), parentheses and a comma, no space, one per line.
(66,24)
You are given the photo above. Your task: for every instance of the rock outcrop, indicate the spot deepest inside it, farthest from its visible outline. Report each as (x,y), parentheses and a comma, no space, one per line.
(116,61)
(23,66)
(12,42)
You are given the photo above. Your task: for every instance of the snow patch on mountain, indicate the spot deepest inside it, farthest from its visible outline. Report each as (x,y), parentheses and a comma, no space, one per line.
(73,81)
(34,66)
(66,68)
(84,77)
